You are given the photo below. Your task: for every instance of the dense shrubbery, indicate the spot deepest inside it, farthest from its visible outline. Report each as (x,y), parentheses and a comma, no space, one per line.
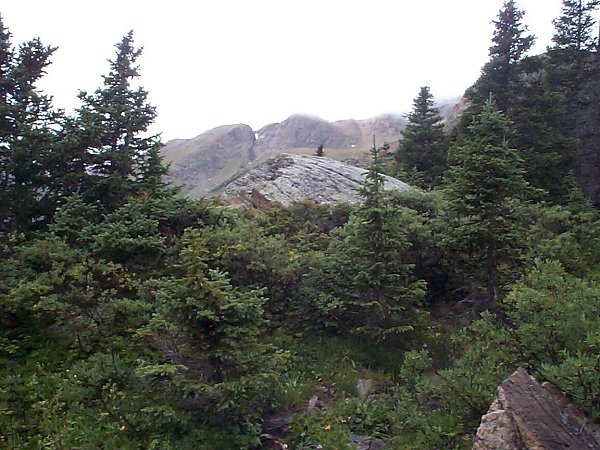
(132,318)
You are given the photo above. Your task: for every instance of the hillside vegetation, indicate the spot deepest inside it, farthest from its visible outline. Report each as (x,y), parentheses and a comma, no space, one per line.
(135,318)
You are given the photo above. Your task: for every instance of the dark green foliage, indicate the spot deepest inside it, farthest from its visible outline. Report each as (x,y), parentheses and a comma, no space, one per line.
(113,122)
(546,97)
(549,327)
(567,234)
(485,187)
(30,179)
(131,318)
(424,146)
(509,44)
(539,120)
(136,234)
(209,335)
(426,232)
(365,284)
(575,26)
(500,76)
(141,352)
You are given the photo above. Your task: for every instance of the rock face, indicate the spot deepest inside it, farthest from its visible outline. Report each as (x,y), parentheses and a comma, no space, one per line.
(530,416)
(289,178)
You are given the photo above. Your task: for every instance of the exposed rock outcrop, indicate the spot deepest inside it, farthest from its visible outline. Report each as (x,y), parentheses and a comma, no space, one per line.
(289,178)
(529,416)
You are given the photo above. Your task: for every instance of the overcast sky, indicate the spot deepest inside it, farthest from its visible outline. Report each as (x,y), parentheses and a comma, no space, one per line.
(210,63)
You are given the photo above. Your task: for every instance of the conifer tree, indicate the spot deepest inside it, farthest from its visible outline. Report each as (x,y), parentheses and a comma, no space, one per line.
(539,117)
(575,27)
(424,146)
(523,90)
(367,285)
(486,183)
(28,134)
(216,331)
(152,171)
(574,73)
(501,75)
(114,121)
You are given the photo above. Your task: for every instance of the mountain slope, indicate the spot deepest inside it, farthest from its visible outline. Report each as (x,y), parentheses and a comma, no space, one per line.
(208,160)
(203,162)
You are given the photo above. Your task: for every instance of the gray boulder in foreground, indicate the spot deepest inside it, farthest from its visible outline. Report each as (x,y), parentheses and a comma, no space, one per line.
(527,415)
(290,178)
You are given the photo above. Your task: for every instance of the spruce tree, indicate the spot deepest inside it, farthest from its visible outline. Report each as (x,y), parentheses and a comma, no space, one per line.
(539,117)
(424,146)
(524,90)
(28,136)
(486,184)
(114,121)
(367,285)
(151,173)
(575,27)
(501,74)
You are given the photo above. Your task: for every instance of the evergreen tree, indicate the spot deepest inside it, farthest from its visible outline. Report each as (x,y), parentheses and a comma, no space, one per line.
(486,184)
(501,75)
(424,146)
(574,73)
(152,171)
(575,27)
(524,90)
(539,117)
(27,134)
(215,332)
(366,283)
(113,125)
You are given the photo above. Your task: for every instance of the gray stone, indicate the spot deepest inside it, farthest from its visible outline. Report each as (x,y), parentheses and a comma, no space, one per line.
(366,442)
(290,178)
(312,403)
(529,416)
(364,387)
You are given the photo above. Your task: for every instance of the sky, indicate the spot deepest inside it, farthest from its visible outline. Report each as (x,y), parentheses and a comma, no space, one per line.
(207,63)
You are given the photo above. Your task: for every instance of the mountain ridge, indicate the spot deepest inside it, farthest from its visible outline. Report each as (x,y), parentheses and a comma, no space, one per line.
(210,159)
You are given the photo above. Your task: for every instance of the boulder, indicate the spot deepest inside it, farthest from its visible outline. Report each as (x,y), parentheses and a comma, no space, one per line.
(366,442)
(364,387)
(529,416)
(290,178)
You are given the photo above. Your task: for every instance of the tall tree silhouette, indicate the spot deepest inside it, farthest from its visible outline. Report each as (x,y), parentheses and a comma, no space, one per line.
(114,123)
